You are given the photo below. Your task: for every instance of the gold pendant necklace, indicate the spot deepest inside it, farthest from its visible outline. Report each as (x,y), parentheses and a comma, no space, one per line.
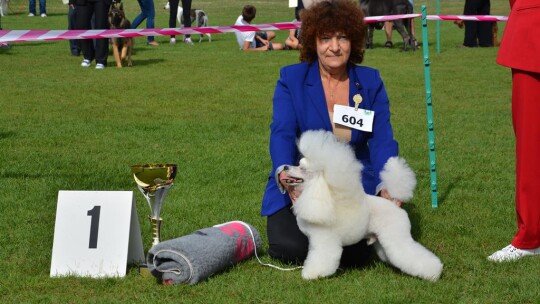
(333,91)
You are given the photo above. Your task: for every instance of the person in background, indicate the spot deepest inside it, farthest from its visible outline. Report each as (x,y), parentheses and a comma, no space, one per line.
(292,42)
(520,53)
(333,40)
(85,10)
(148,12)
(389,27)
(74,44)
(254,41)
(42,8)
(186,15)
(477,33)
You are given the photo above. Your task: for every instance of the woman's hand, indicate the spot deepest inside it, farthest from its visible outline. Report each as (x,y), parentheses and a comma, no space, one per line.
(288,182)
(384,194)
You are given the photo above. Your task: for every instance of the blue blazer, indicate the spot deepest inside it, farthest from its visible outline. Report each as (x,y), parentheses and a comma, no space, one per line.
(299,105)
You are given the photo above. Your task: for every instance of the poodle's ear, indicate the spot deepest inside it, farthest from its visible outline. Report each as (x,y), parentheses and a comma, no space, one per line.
(315,204)
(399,179)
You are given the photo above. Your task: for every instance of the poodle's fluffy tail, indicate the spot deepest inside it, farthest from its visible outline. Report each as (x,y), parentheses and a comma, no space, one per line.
(399,179)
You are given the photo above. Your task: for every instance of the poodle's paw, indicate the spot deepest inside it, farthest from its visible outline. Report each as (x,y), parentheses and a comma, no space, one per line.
(317,266)
(312,273)
(426,266)
(432,270)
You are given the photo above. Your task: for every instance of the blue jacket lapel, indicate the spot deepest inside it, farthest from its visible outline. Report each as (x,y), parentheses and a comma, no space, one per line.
(315,96)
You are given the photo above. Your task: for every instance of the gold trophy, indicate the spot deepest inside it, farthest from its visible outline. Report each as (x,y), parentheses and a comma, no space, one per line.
(154,181)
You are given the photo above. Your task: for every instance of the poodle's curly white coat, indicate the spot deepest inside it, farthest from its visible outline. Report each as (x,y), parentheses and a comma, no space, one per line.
(334,211)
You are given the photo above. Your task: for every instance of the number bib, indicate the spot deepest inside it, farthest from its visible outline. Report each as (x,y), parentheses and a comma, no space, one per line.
(360,119)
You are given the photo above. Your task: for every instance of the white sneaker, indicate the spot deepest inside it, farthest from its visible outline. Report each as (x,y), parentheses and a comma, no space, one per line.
(100,66)
(173,41)
(43,15)
(511,253)
(188,41)
(86,63)
(31,15)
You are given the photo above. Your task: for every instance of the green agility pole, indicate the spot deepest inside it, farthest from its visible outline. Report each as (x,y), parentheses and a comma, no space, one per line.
(429,108)
(438,8)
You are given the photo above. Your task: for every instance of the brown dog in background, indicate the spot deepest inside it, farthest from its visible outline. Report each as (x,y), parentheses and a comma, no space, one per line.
(122,46)
(495,33)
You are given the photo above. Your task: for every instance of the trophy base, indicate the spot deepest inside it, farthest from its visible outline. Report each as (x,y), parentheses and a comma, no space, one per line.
(144,270)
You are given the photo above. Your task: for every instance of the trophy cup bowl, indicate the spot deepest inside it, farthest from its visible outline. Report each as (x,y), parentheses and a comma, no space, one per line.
(154,181)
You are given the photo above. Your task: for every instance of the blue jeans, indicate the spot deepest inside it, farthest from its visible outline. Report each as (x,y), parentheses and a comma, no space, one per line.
(32,7)
(148,12)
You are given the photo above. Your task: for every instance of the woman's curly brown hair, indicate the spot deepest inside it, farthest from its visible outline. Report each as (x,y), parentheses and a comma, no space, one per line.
(329,17)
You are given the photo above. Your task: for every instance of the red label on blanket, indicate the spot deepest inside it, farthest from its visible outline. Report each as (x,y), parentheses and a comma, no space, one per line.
(244,242)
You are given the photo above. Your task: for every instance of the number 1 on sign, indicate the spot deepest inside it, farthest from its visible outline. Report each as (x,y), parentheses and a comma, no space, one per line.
(94,226)
(96,234)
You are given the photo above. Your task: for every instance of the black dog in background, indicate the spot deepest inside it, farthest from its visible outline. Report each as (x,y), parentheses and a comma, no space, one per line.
(390,7)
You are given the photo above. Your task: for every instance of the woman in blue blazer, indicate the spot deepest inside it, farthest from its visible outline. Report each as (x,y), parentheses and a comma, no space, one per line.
(333,34)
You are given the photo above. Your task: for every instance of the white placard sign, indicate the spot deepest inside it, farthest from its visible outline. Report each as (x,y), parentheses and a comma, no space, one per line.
(96,234)
(293,3)
(360,119)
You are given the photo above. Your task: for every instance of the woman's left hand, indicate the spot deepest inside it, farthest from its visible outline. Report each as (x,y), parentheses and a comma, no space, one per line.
(384,194)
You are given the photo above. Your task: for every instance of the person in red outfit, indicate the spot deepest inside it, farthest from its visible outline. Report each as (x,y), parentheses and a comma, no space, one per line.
(519,52)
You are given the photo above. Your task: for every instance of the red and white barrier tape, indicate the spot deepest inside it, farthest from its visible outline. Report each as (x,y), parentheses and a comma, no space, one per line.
(467,18)
(33,35)
(36,35)
(390,17)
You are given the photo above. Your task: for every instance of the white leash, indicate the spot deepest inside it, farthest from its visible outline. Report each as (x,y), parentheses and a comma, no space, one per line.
(255,247)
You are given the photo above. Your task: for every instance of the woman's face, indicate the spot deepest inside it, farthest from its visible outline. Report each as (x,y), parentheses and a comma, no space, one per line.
(333,51)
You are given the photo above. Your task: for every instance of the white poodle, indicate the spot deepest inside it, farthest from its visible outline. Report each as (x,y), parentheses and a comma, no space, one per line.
(334,211)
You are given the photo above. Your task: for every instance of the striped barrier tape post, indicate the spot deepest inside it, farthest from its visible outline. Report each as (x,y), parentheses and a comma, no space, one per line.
(36,35)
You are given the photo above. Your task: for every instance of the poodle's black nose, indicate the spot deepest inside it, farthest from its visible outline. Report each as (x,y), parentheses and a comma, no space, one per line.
(286,168)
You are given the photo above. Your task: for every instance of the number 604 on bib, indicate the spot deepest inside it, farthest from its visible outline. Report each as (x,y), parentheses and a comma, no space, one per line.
(360,119)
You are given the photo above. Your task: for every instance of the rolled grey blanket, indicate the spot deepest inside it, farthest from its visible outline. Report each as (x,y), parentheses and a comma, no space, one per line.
(193,258)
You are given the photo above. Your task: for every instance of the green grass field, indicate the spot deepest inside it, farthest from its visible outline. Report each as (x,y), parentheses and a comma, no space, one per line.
(208,108)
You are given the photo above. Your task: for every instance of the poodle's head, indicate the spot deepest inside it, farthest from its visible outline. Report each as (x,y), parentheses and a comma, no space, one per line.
(328,172)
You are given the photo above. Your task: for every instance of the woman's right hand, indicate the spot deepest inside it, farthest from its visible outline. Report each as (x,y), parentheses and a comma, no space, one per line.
(384,193)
